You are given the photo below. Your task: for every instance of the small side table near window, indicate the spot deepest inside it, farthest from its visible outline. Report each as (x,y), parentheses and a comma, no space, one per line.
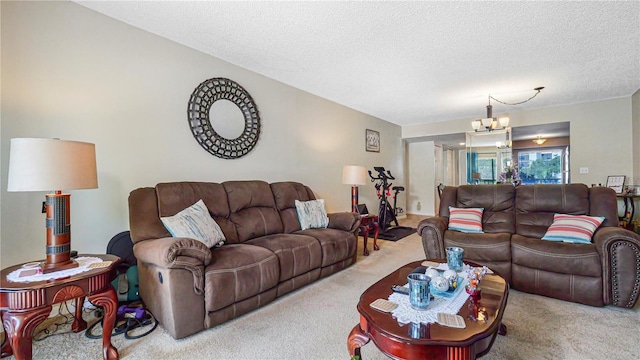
(24,305)
(369,222)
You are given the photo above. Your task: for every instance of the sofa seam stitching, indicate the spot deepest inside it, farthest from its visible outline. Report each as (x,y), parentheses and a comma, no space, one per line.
(243,267)
(543,253)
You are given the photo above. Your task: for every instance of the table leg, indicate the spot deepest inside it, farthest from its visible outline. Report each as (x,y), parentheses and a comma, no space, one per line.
(108,300)
(365,235)
(19,327)
(376,230)
(6,347)
(356,340)
(502,330)
(78,322)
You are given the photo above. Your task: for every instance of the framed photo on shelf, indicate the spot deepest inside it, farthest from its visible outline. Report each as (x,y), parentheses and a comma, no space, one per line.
(616,182)
(372,140)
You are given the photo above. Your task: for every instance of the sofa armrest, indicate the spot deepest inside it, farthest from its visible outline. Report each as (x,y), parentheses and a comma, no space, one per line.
(619,251)
(432,232)
(346,221)
(176,253)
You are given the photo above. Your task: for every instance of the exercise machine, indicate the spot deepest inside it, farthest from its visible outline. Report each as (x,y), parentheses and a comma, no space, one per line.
(386,214)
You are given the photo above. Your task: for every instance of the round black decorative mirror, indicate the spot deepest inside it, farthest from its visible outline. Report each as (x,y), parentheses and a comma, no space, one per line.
(200,115)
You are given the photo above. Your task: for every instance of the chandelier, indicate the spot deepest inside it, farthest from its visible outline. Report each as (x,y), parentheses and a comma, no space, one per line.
(490,123)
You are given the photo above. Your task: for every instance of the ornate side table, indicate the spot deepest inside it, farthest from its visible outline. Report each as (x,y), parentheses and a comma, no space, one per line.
(24,305)
(367,223)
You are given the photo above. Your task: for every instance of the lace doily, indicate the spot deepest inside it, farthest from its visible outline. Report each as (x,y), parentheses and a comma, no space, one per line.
(405,314)
(83,265)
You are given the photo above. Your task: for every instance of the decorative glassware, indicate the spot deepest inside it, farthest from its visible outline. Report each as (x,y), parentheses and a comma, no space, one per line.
(440,283)
(454,258)
(475,275)
(419,290)
(452,277)
(432,272)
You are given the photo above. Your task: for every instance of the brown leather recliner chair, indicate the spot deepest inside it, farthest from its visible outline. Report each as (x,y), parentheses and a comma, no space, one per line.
(605,272)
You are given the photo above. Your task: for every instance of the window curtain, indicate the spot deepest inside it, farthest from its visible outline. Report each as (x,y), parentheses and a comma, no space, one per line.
(472,166)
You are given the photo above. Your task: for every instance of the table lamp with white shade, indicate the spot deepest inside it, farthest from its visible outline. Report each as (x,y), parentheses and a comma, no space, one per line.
(354,175)
(52,165)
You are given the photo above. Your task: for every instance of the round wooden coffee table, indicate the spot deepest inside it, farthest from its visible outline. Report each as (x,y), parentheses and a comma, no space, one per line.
(483,318)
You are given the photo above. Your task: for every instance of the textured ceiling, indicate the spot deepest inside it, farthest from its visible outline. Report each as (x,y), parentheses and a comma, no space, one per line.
(414,62)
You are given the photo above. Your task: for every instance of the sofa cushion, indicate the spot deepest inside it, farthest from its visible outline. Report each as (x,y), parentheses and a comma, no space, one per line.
(337,245)
(468,220)
(563,258)
(253,209)
(144,219)
(312,214)
(537,204)
(285,195)
(238,272)
(297,254)
(569,287)
(492,250)
(498,202)
(174,197)
(195,222)
(484,247)
(577,229)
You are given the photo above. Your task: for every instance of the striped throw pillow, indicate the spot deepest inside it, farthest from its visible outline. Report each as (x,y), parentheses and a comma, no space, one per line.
(577,229)
(312,214)
(196,223)
(467,220)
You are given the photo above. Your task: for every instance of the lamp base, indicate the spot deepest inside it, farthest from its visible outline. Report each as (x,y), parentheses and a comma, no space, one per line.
(49,268)
(57,207)
(354,198)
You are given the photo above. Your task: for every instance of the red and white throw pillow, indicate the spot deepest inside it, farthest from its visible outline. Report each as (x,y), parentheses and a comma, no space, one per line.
(467,220)
(577,229)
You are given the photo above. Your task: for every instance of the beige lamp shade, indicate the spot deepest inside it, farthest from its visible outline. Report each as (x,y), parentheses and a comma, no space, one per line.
(51,164)
(354,175)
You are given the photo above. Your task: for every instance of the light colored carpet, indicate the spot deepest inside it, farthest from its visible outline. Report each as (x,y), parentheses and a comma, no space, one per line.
(314,322)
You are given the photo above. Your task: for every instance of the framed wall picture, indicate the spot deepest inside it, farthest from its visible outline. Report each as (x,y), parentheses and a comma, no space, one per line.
(372,140)
(616,182)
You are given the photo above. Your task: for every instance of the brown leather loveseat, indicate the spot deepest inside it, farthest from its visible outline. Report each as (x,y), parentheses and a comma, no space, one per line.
(604,272)
(190,287)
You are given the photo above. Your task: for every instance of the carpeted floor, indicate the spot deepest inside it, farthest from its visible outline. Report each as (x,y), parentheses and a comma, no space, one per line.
(314,322)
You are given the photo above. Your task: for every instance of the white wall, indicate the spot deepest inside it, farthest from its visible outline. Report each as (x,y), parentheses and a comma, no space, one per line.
(421,175)
(635,126)
(71,73)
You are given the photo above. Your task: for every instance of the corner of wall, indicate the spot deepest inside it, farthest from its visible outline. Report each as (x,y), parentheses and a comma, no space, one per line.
(635,126)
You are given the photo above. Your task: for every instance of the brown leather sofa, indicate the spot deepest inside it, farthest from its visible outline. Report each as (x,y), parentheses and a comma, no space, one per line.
(605,272)
(189,287)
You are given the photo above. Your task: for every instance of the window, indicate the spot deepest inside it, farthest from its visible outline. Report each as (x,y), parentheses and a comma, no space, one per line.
(543,166)
(487,168)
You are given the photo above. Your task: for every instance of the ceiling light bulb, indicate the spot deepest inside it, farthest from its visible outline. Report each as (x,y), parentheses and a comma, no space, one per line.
(486,122)
(475,124)
(504,122)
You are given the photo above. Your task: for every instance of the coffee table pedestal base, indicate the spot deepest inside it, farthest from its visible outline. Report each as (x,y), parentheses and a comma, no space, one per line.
(397,350)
